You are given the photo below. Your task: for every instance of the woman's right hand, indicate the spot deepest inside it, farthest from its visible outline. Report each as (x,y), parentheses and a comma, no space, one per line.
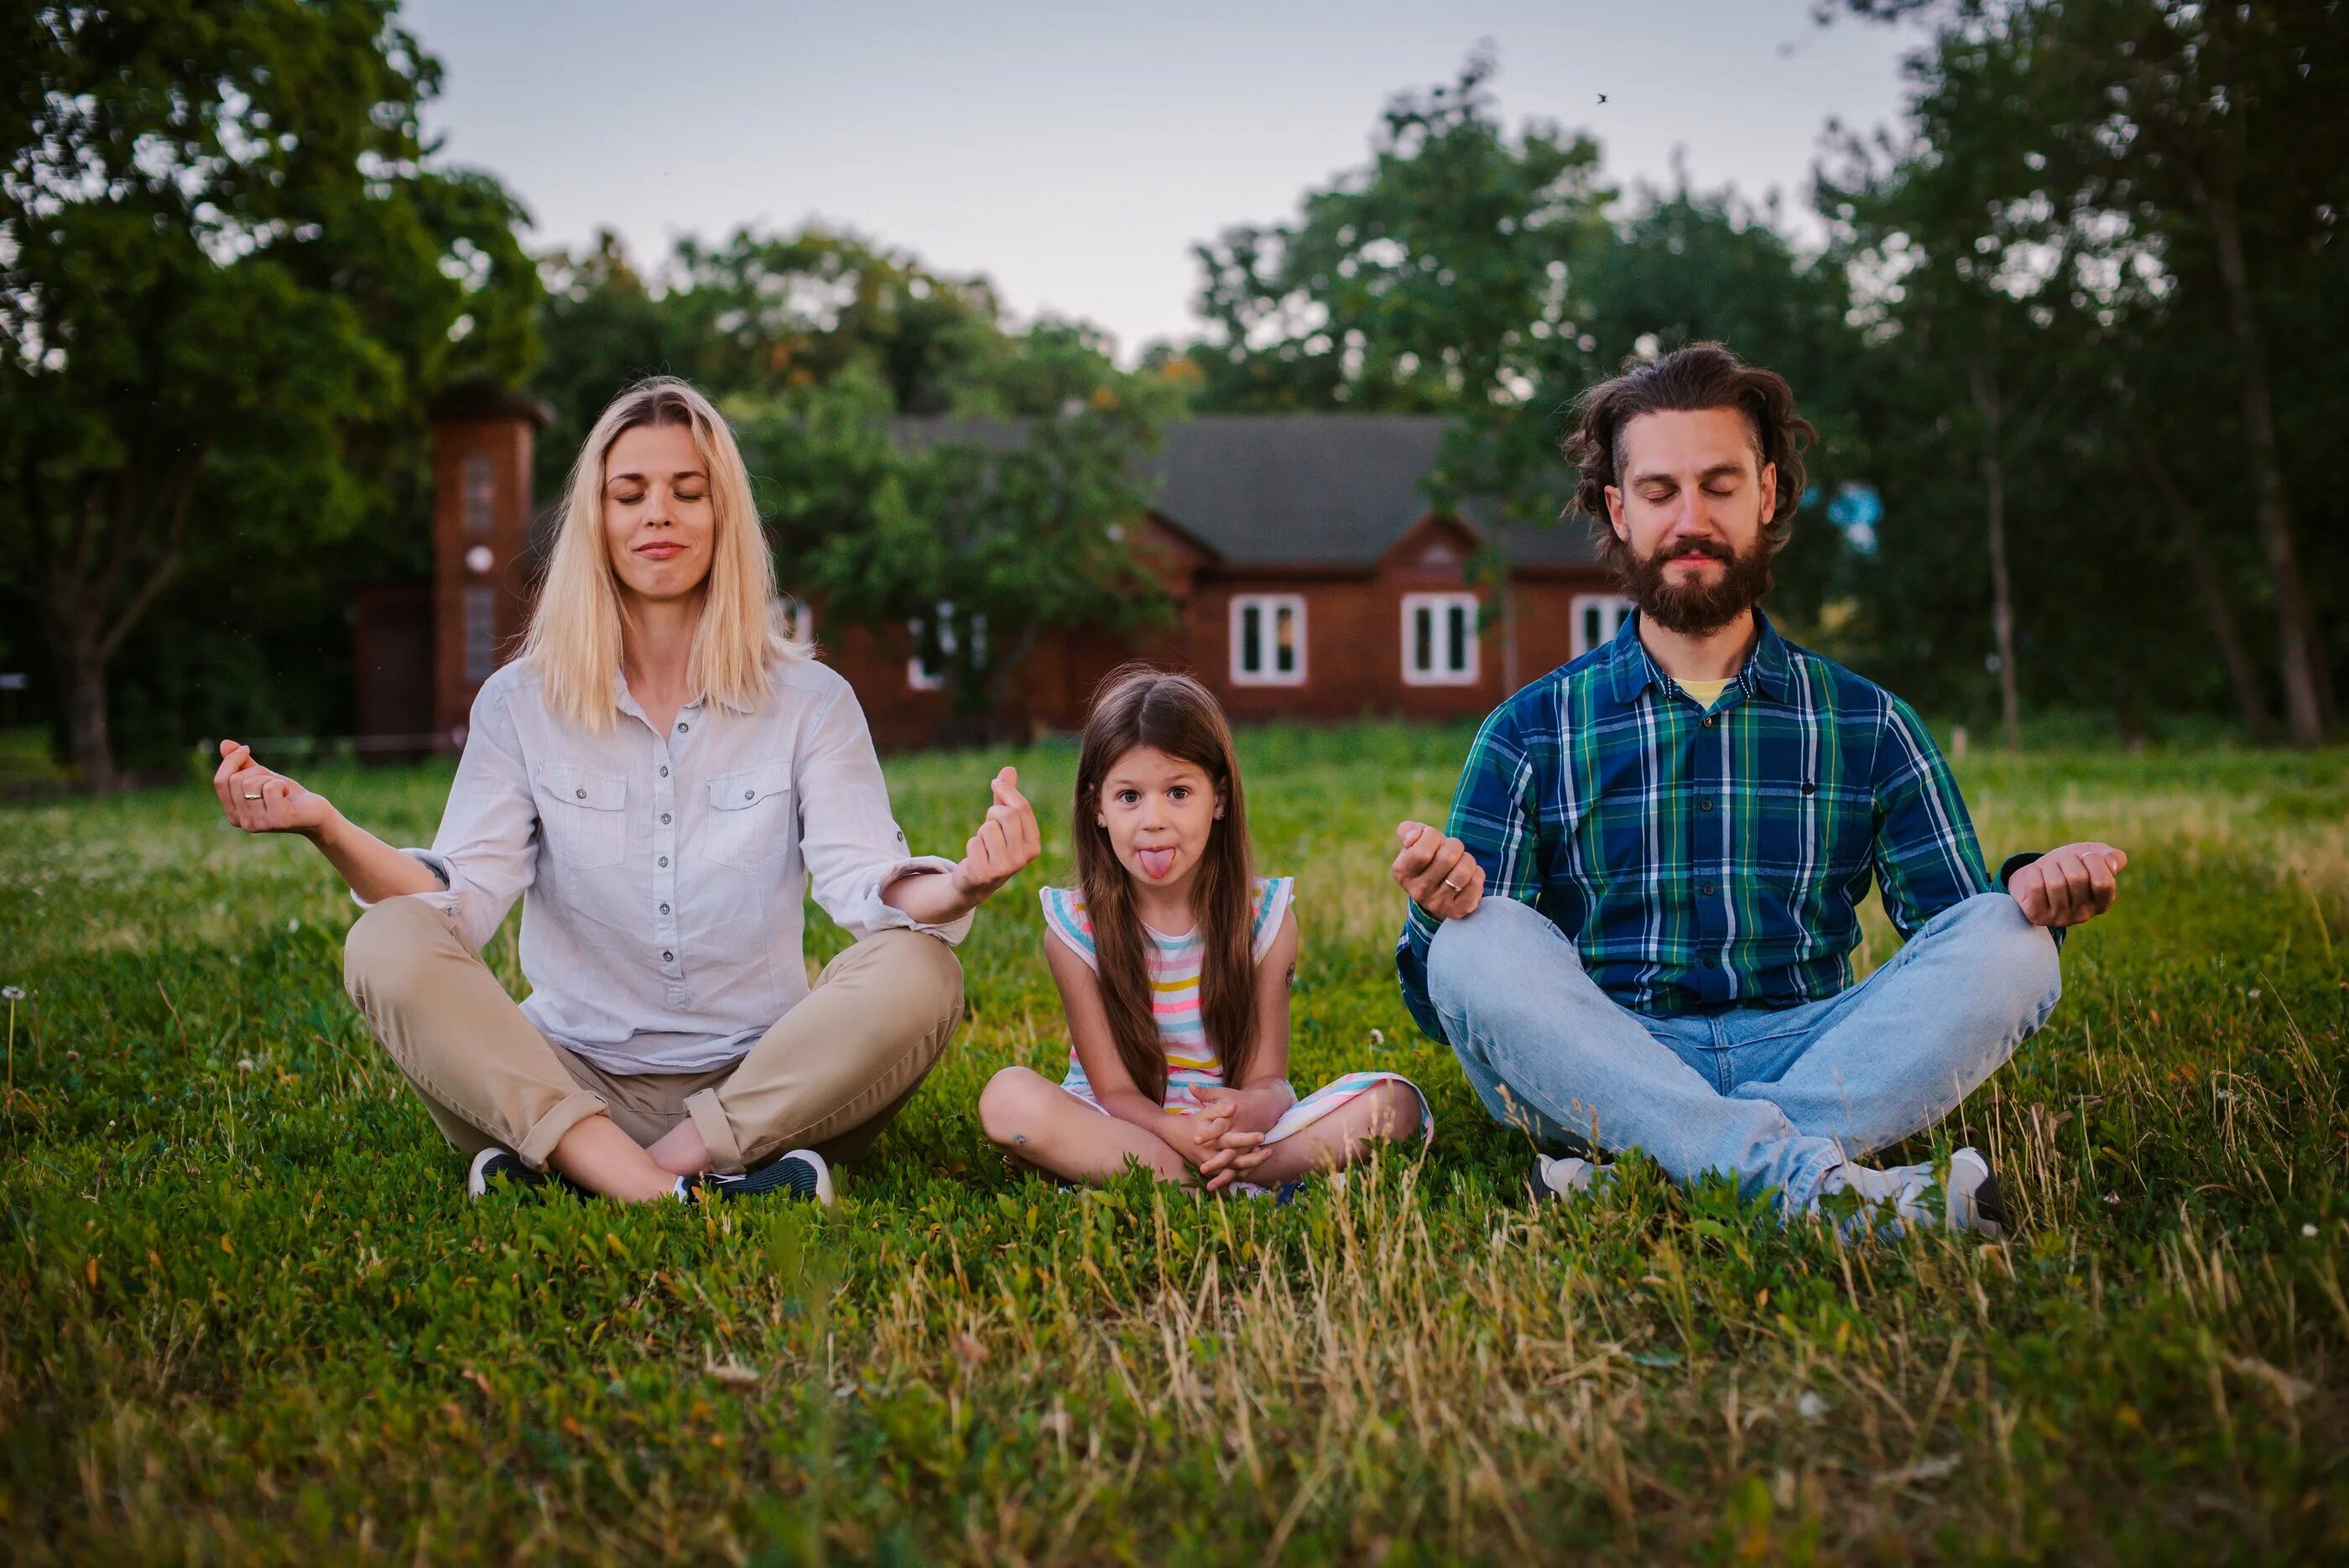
(260,801)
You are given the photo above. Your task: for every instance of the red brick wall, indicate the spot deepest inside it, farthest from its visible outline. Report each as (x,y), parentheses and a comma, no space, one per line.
(502,443)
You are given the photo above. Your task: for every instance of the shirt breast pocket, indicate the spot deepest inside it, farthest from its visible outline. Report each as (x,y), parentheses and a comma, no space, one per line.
(750,817)
(583,816)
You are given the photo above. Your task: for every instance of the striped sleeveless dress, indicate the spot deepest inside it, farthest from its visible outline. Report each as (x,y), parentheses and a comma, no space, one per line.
(1192,1061)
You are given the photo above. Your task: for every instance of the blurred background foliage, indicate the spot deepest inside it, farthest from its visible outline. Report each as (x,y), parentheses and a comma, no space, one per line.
(2073,339)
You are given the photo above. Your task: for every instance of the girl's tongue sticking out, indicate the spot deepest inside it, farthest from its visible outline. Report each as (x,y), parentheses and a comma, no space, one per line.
(1156,863)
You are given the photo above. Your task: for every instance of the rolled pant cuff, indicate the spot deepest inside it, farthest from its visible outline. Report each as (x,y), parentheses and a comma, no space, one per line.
(717,1132)
(569,1111)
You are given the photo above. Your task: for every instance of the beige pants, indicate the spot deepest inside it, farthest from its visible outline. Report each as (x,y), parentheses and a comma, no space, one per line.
(829,1075)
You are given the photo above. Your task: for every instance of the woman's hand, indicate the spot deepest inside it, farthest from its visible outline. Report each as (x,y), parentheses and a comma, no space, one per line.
(260,801)
(1004,845)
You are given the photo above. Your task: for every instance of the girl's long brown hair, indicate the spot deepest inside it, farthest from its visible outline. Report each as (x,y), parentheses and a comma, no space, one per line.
(1141,706)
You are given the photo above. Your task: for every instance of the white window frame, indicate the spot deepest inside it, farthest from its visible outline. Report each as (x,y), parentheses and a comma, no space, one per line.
(1267,606)
(1438,606)
(920,677)
(1613,610)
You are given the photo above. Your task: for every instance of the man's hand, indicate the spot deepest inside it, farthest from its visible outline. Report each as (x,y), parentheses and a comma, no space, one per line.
(259,801)
(1003,845)
(1439,873)
(2068,887)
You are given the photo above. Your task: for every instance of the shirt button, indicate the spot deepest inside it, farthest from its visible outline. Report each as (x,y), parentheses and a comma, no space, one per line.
(580,793)
(1704,803)
(664,909)
(1810,788)
(1708,963)
(1707,721)
(1705,889)
(663,859)
(664,769)
(682,726)
(663,819)
(667,957)
(749,795)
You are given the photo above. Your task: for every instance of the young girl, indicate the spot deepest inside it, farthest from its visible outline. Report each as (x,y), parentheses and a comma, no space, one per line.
(1174,967)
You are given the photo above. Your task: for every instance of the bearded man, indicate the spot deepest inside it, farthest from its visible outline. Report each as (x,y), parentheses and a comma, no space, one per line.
(1636,931)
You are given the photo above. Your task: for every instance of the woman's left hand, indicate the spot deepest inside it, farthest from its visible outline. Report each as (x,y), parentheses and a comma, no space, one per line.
(1004,845)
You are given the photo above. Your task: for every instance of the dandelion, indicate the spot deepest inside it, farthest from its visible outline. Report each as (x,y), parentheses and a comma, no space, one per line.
(1810,1406)
(2309,1231)
(2112,1199)
(244,1063)
(296,925)
(1377,1037)
(12,993)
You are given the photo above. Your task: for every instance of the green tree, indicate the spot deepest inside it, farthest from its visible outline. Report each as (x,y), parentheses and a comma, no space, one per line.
(228,284)
(1022,526)
(2206,145)
(1430,279)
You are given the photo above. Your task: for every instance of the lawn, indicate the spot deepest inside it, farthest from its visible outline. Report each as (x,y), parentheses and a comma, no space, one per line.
(248,1315)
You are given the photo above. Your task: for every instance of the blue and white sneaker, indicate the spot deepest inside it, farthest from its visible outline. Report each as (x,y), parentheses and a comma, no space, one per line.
(801,1174)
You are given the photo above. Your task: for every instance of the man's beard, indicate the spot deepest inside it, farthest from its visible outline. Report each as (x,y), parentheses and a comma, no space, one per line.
(1696,607)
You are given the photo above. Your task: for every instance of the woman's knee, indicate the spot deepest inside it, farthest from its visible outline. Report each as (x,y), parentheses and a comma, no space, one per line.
(920,972)
(1010,1105)
(386,951)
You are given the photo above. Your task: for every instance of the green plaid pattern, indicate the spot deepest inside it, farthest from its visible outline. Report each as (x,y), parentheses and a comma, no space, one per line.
(1703,859)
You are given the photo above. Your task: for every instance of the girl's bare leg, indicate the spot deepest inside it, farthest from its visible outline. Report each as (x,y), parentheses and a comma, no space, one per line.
(1033,1119)
(1390,1110)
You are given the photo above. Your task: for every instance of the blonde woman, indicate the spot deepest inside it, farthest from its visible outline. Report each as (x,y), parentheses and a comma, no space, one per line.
(658,777)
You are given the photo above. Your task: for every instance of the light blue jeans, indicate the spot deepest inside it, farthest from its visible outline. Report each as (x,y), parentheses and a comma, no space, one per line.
(1775,1098)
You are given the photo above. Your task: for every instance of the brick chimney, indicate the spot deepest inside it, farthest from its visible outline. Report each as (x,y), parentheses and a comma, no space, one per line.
(482,445)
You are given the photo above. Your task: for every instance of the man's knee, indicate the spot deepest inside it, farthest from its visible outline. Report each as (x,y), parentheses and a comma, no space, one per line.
(1470,961)
(2011,952)
(387,952)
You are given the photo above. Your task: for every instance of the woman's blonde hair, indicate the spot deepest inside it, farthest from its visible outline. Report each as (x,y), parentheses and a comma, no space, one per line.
(575,631)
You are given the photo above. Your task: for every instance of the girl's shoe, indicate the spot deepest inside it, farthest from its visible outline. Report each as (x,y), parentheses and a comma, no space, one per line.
(800,1174)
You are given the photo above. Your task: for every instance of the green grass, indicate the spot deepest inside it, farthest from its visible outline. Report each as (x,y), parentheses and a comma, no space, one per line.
(247,1314)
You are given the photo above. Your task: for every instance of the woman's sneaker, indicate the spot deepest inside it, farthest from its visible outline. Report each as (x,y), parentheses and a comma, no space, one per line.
(503,1164)
(799,1174)
(1557,1180)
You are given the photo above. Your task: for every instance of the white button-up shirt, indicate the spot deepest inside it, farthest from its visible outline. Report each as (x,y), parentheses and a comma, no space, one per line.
(663,876)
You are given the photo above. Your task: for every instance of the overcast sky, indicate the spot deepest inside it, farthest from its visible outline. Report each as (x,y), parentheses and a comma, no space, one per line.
(1074,152)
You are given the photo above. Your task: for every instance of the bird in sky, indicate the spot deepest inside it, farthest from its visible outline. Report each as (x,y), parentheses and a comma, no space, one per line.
(1602,97)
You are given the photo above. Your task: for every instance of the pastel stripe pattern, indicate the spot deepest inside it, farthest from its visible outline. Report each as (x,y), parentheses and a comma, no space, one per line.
(1192,1060)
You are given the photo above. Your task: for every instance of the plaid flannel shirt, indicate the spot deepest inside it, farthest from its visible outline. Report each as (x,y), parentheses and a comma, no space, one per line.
(1707,859)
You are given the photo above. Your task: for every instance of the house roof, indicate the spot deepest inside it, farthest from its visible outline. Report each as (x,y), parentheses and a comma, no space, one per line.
(1323,489)
(1294,490)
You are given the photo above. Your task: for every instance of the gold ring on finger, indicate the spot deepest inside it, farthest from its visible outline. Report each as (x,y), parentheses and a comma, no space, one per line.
(253,795)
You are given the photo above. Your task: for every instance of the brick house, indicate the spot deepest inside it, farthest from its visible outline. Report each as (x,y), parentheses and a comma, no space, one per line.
(1312,580)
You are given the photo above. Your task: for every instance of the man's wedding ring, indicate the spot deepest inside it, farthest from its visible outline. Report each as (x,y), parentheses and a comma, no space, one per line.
(1451,884)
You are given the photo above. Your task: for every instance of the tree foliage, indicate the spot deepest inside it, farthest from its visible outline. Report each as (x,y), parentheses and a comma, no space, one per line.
(228,282)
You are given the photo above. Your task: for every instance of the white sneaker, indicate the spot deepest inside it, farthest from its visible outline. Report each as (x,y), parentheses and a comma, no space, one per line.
(1555,1180)
(1969,1198)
